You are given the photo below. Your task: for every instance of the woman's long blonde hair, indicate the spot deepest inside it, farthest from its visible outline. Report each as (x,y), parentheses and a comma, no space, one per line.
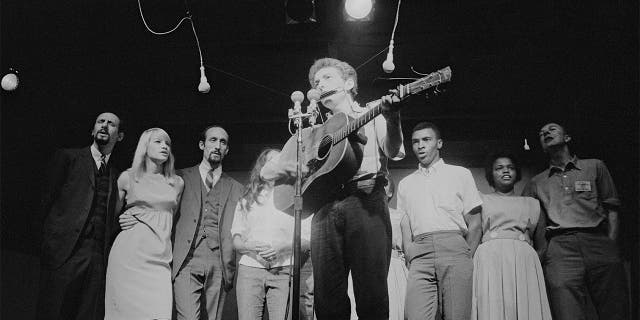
(139,165)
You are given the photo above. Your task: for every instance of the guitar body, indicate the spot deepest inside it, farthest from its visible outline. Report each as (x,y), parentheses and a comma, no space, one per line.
(329,165)
(331,153)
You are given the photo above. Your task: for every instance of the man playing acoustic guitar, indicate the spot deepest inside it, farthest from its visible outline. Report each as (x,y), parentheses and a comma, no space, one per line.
(352,232)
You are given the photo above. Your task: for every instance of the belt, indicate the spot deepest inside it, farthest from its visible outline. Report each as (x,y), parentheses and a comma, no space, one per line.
(506,234)
(601,229)
(366,184)
(425,235)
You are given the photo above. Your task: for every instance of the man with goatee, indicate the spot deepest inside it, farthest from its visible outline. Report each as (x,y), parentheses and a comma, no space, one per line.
(79,225)
(204,260)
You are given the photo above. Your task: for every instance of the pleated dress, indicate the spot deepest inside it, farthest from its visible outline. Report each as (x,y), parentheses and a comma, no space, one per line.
(508,282)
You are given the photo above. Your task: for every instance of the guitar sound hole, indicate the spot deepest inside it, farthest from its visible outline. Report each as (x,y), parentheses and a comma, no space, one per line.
(324,147)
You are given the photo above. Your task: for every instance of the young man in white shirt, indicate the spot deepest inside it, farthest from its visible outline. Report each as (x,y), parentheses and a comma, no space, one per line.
(442,203)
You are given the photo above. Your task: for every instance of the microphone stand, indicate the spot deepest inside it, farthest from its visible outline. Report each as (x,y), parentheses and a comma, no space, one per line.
(297,116)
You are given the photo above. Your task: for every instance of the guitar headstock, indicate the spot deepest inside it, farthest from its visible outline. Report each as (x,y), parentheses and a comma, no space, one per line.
(429,81)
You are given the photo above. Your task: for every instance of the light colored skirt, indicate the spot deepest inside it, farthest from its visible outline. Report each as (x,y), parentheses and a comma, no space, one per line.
(508,282)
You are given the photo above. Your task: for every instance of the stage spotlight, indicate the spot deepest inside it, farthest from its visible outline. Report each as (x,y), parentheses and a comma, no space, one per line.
(10,80)
(358,9)
(300,11)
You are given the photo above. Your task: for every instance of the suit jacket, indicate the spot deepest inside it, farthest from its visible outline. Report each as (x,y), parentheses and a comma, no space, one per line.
(187,220)
(67,201)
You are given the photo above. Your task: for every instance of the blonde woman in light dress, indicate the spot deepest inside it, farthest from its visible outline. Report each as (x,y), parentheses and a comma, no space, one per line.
(138,284)
(508,282)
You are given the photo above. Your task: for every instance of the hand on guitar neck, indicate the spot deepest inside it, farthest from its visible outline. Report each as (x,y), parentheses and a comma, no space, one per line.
(392,102)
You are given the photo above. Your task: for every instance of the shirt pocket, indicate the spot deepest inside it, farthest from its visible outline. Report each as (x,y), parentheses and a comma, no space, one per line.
(451,206)
(587,200)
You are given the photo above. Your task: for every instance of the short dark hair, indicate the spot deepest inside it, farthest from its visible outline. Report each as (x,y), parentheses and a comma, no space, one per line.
(488,168)
(427,125)
(203,134)
(561,124)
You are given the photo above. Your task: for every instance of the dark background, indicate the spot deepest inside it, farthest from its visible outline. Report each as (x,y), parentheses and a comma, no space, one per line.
(516,65)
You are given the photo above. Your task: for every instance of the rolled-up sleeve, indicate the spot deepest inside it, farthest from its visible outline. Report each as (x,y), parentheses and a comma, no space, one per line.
(471,195)
(606,188)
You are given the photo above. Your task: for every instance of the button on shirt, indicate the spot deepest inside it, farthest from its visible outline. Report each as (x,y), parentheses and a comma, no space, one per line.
(264,223)
(97,156)
(574,196)
(204,171)
(436,198)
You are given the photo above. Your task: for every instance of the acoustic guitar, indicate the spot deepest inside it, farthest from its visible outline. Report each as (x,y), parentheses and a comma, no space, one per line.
(332,154)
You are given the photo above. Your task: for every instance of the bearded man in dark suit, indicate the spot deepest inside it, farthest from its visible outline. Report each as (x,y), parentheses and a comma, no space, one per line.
(204,261)
(79,226)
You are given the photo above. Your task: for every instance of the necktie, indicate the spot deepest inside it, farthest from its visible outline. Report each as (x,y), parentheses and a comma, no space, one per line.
(209,179)
(103,165)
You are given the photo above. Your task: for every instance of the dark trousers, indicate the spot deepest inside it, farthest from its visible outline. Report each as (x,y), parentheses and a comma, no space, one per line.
(353,233)
(582,264)
(74,290)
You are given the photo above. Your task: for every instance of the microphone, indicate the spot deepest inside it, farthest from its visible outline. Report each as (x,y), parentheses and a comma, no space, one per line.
(388,65)
(204,86)
(313,95)
(297,97)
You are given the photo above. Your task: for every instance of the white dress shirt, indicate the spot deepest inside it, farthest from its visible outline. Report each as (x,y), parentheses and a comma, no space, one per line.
(97,156)
(374,159)
(204,171)
(438,197)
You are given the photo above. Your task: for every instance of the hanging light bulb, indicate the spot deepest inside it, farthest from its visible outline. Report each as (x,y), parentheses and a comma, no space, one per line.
(204,86)
(10,80)
(358,9)
(388,65)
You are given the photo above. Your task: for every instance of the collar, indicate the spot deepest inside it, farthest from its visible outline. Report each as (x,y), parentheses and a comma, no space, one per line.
(432,168)
(205,167)
(572,164)
(97,155)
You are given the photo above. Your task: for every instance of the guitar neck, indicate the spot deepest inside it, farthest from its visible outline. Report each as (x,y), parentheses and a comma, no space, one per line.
(375,107)
(357,123)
